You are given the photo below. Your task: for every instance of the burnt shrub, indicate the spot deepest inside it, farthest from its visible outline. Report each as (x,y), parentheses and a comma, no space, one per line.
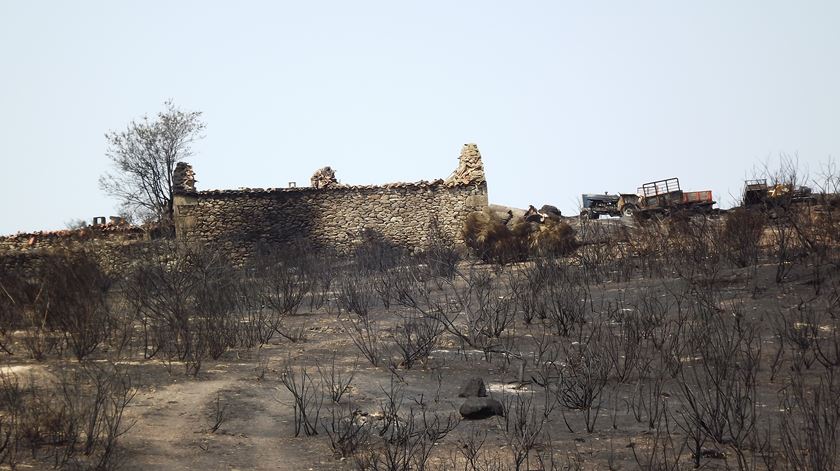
(186,300)
(307,398)
(61,300)
(415,338)
(346,433)
(741,236)
(12,289)
(73,421)
(693,251)
(77,291)
(810,423)
(440,256)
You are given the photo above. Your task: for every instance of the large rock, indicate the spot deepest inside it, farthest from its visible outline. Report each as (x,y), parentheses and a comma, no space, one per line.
(473,388)
(477,408)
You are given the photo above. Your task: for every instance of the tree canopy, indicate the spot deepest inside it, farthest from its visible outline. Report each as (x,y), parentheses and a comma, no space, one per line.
(144,156)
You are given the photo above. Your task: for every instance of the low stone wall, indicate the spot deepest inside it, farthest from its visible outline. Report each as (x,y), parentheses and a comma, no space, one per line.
(331,216)
(114,247)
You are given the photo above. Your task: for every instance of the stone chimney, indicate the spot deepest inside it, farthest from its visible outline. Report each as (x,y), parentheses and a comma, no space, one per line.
(470,169)
(183,178)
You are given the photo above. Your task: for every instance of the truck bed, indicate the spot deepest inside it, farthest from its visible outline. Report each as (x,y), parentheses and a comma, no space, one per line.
(697,197)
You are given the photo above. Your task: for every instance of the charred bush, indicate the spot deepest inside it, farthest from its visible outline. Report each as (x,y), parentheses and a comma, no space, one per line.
(217,413)
(415,338)
(365,334)
(335,382)
(62,301)
(810,423)
(76,289)
(186,300)
(581,383)
(74,421)
(356,295)
(470,308)
(693,247)
(566,301)
(285,280)
(216,302)
(800,330)
(346,431)
(603,252)
(718,394)
(405,438)
(440,256)
(307,398)
(574,378)
(522,426)
(741,236)
(13,298)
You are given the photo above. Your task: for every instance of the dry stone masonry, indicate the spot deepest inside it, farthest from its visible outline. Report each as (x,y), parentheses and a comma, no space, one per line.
(183,178)
(112,245)
(323,178)
(470,169)
(328,214)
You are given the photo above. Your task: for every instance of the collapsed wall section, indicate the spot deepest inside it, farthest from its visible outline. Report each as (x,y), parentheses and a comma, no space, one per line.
(332,216)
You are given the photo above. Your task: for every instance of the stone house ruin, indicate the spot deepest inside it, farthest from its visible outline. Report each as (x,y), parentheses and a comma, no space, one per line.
(328,214)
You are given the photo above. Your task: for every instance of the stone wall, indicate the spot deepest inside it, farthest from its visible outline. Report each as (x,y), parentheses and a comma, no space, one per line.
(332,216)
(113,246)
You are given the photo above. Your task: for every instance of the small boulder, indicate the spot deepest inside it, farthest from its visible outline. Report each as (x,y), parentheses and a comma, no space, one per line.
(478,408)
(473,388)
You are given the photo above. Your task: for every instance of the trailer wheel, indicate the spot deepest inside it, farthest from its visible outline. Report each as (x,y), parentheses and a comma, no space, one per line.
(628,211)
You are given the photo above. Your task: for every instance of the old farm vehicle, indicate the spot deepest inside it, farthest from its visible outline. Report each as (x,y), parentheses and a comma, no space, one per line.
(661,197)
(595,205)
(664,197)
(758,194)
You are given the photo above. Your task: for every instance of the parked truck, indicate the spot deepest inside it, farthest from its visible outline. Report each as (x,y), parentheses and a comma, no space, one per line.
(663,197)
(660,197)
(757,193)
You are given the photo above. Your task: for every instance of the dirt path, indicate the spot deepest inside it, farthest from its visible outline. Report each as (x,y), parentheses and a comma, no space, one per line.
(173,421)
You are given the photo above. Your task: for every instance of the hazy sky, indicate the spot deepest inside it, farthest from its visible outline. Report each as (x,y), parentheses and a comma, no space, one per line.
(561,97)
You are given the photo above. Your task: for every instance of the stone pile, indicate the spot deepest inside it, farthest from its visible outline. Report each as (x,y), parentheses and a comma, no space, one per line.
(324,178)
(183,178)
(470,168)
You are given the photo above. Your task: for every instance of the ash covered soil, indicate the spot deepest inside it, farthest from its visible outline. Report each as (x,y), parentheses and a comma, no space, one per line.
(632,354)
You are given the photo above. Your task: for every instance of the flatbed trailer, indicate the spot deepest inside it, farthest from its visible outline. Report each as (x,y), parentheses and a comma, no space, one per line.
(662,197)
